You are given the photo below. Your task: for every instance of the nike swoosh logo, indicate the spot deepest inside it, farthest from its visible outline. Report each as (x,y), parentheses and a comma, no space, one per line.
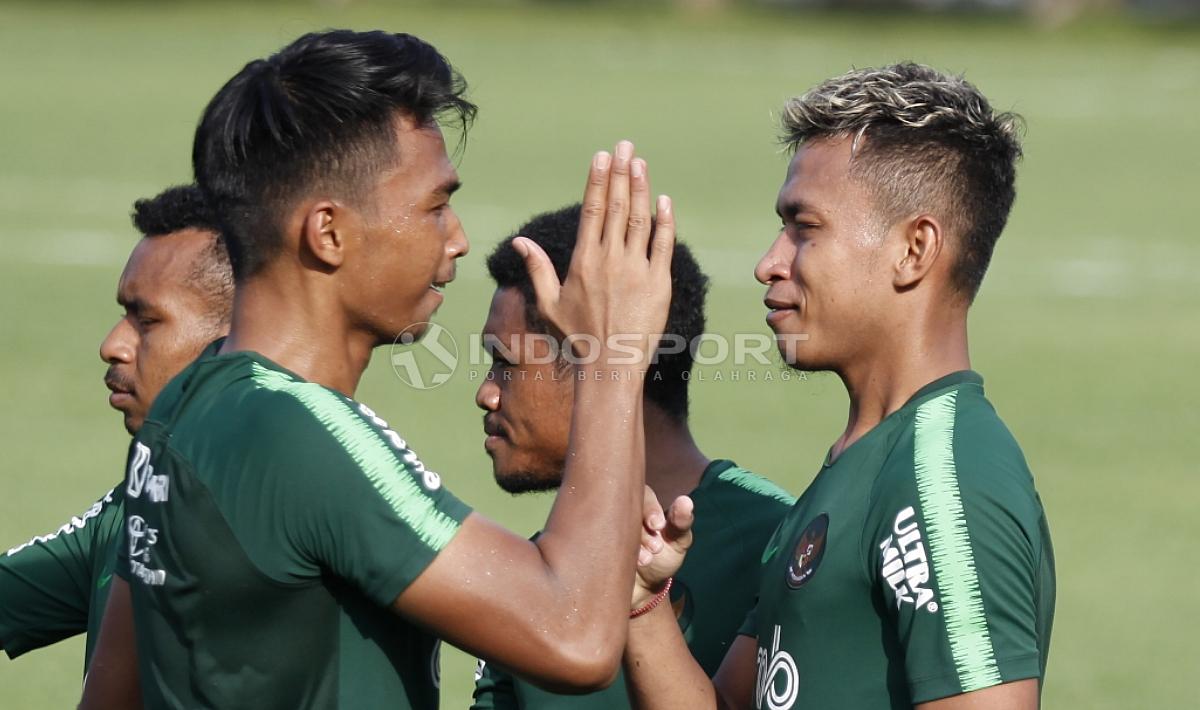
(770,551)
(104,581)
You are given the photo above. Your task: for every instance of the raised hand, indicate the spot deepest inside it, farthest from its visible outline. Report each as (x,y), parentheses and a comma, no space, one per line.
(618,286)
(666,539)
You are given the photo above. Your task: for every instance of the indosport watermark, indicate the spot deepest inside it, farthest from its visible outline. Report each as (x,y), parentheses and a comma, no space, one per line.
(427,355)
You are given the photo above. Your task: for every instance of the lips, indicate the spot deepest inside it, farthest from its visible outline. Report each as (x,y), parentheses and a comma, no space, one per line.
(491,428)
(116,383)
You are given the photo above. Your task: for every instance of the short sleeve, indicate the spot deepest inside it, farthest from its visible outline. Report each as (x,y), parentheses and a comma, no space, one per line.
(950,546)
(359,502)
(46,583)
(493,688)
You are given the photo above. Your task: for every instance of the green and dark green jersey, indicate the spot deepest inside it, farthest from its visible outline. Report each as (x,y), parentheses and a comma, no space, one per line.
(270,525)
(916,566)
(736,512)
(56,585)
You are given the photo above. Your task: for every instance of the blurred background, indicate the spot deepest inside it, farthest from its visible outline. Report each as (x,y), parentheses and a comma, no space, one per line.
(1087,328)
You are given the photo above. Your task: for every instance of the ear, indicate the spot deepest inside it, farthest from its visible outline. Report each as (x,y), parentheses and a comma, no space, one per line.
(323,233)
(922,239)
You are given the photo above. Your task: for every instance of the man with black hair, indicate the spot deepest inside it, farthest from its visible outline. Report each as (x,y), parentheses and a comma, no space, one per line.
(284,546)
(916,569)
(527,399)
(177,292)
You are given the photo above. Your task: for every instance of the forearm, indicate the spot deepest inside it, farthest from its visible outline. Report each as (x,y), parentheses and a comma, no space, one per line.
(590,540)
(557,607)
(660,672)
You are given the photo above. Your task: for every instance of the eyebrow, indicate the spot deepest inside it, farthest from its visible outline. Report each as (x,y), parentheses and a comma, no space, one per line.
(449,187)
(791,208)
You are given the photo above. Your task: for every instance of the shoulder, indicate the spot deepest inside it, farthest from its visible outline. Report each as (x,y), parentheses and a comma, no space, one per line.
(744,495)
(956,459)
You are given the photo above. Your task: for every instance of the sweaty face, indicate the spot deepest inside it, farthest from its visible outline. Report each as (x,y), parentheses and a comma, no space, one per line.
(527,398)
(829,287)
(167,322)
(410,238)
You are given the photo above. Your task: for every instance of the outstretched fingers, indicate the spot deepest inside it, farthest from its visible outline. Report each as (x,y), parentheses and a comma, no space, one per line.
(595,207)
(616,222)
(663,246)
(546,287)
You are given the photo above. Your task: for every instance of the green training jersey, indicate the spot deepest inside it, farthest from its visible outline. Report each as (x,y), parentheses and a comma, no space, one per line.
(736,512)
(270,524)
(56,585)
(916,566)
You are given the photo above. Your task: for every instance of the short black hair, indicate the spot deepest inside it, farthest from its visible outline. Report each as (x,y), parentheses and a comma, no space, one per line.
(932,141)
(174,209)
(667,377)
(184,207)
(320,112)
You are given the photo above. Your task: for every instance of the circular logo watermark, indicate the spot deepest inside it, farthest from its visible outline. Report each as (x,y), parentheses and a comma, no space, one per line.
(424,356)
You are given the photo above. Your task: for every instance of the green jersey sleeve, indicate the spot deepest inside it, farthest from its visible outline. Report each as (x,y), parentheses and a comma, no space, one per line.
(49,585)
(353,498)
(952,545)
(493,688)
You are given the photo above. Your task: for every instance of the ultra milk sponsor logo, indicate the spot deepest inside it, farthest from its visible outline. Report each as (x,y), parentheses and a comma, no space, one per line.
(905,565)
(778,678)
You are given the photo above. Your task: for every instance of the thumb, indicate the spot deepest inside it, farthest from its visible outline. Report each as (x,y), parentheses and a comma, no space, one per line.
(545,282)
(680,518)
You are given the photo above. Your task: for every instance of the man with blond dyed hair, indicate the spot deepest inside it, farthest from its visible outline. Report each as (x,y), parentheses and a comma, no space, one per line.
(916,569)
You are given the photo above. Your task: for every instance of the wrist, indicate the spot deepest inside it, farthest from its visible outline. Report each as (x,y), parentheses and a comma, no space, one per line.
(646,600)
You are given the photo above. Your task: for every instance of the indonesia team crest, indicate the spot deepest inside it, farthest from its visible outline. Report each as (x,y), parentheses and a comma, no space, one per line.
(808,553)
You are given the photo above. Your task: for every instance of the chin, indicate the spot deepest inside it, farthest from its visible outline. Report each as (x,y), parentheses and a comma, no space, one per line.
(518,482)
(802,359)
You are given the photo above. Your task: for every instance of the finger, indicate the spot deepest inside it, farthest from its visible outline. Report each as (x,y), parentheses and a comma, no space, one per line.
(663,246)
(546,285)
(653,519)
(595,196)
(653,542)
(616,221)
(639,208)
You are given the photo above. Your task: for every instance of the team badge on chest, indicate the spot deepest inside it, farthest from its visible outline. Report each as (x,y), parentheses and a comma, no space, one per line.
(808,553)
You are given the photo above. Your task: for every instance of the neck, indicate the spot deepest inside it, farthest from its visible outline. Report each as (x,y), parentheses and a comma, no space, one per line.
(674,464)
(888,377)
(297,325)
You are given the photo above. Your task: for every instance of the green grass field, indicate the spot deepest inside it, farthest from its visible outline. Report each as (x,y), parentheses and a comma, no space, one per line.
(1087,328)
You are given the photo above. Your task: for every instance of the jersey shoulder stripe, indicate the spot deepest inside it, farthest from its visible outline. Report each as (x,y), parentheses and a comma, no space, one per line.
(754,483)
(374,457)
(950,544)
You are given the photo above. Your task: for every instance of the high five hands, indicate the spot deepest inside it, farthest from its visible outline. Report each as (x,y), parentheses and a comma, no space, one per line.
(666,538)
(618,286)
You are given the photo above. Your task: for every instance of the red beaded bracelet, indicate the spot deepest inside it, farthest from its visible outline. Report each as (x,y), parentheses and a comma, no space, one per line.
(658,599)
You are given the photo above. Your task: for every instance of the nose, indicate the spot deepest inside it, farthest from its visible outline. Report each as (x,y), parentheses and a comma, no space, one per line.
(120,344)
(776,264)
(487,397)
(458,244)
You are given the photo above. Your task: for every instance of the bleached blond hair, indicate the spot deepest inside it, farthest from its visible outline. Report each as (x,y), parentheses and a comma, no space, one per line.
(923,142)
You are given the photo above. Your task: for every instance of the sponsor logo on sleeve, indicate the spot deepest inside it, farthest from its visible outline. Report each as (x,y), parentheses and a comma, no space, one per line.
(78,522)
(904,564)
(808,553)
(778,681)
(142,539)
(431,480)
(142,477)
(435,664)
